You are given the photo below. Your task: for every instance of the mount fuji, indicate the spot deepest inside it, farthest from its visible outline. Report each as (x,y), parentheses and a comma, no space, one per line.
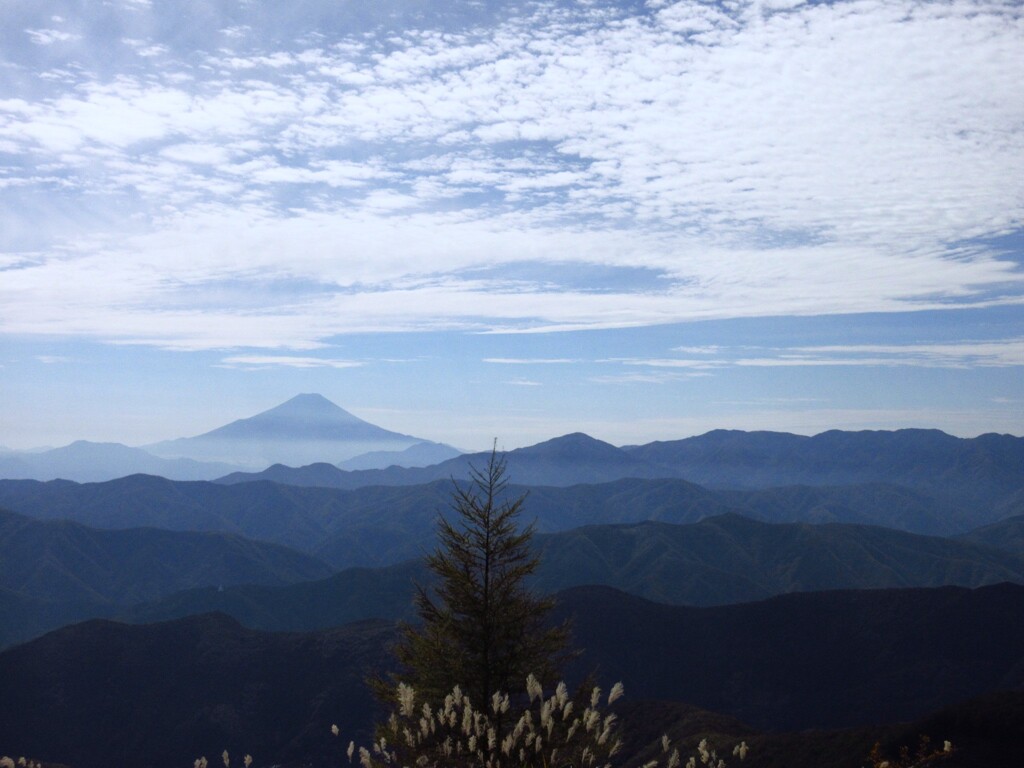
(306,429)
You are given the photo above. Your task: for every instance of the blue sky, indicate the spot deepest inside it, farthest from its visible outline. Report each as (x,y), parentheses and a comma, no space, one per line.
(464,220)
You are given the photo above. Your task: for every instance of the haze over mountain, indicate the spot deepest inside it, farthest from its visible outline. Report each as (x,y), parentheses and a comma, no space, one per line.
(305,429)
(422,454)
(86,462)
(309,441)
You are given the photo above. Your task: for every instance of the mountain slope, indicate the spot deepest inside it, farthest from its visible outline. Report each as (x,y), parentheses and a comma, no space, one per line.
(354,594)
(23,618)
(62,561)
(1007,535)
(306,429)
(732,559)
(720,560)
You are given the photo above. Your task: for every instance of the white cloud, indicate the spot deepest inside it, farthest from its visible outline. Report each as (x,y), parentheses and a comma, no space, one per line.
(999,353)
(669,363)
(711,349)
(656,377)
(198,154)
(530,361)
(145,48)
(994,353)
(763,159)
(51,36)
(236,32)
(287,361)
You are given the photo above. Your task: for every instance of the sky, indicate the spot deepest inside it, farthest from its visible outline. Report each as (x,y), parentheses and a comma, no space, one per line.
(477,220)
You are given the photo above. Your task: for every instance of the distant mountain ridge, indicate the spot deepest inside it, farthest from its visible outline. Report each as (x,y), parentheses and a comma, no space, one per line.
(571,459)
(988,466)
(422,454)
(986,470)
(310,441)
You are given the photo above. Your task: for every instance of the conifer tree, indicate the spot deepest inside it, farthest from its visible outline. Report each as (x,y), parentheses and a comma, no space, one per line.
(482,629)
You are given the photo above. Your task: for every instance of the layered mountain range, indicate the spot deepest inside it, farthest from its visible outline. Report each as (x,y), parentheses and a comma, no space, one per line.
(378,525)
(60,571)
(849,580)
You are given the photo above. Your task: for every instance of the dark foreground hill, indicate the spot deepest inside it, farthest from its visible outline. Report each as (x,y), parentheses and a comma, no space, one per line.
(984,731)
(809,660)
(102,693)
